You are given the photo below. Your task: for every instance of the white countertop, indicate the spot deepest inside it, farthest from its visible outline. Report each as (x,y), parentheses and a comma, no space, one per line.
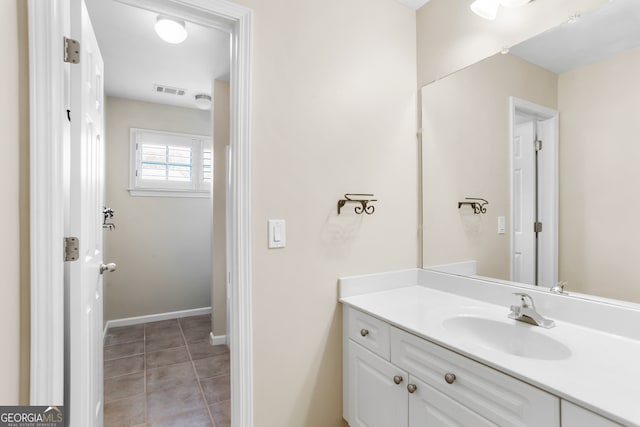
(602,373)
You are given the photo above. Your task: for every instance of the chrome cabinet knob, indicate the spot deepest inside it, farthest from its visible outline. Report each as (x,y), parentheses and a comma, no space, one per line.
(397,379)
(364,332)
(411,388)
(449,377)
(107,267)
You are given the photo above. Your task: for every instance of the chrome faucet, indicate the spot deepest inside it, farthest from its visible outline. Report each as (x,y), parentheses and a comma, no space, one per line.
(526,312)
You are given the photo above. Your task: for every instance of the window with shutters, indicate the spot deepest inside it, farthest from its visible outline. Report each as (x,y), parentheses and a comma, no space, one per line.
(170,164)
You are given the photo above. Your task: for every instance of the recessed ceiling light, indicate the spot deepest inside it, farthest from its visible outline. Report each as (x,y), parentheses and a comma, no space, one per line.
(171,30)
(203,101)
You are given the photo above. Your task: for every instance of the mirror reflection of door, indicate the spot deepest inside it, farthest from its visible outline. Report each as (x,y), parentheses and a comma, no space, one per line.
(534,194)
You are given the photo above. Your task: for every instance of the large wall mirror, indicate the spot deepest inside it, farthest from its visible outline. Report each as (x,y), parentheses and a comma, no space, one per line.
(549,134)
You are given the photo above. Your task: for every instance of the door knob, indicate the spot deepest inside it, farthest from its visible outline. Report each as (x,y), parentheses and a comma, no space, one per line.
(107,267)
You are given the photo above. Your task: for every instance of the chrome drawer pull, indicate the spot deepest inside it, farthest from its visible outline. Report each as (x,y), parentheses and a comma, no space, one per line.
(411,388)
(364,332)
(397,379)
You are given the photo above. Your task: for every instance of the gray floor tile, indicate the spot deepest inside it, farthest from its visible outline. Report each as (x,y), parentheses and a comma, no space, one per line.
(172,401)
(195,321)
(196,333)
(170,376)
(217,389)
(124,386)
(167,357)
(163,342)
(221,413)
(166,329)
(123,366)
(124,334)
(212,366)
(197,418)
(117,351)
(202,350)
(125,412)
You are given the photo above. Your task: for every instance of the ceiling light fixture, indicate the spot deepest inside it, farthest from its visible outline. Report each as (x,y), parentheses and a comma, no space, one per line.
(171,30)
(203,101)
(488,9)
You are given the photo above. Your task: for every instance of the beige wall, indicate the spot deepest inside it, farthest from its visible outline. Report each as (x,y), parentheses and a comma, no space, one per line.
(162,245)
(451,37)
(219,263)
(14,214)
(334,104)
(465,153)
(599,174)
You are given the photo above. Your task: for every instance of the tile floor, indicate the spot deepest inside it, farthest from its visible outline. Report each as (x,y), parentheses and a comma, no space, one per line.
(166,374)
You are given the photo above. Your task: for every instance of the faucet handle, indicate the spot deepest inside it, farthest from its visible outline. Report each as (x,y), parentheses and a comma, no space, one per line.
(524,298)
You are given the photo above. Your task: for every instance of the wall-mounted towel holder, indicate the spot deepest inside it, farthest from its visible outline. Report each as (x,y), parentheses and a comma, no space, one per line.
(362,199)
(477,204)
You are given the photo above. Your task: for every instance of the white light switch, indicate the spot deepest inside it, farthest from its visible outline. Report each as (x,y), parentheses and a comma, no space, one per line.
(277,233)
(501,225)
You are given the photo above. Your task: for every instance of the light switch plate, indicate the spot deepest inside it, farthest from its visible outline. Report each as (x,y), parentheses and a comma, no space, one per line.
(277,233)
(501,225)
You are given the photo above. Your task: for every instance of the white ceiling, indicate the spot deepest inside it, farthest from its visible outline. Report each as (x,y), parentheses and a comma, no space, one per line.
(414,4)
(610,29)
(136,58)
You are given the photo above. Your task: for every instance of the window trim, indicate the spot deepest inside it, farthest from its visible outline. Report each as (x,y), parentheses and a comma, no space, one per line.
(197,188)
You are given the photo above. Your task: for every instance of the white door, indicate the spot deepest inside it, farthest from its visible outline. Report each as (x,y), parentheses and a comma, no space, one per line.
(429,407)
(85,406)
(524,208)
(375,400)
(227,239)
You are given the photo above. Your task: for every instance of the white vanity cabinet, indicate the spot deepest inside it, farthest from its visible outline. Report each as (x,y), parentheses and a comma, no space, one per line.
(395,379)
(575,416)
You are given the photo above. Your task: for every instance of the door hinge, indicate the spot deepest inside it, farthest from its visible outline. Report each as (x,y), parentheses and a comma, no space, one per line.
(71,249)
(538,145)
(71,51)
(537,227)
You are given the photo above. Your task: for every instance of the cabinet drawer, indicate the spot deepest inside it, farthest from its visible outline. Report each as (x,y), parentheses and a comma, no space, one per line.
(369,332)
(495,396)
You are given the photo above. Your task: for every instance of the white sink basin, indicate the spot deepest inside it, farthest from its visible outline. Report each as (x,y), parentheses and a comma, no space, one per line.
(512,337)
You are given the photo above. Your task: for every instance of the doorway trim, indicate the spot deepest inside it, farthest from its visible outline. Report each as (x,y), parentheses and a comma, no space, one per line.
(550,185)
(46,28)
(46,147)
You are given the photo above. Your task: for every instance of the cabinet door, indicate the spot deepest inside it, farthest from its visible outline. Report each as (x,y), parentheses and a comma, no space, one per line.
(429,407)
(375,400)
(500,398)
(575,416)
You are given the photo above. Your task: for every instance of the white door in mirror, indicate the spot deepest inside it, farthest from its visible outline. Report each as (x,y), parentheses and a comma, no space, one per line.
(277,233)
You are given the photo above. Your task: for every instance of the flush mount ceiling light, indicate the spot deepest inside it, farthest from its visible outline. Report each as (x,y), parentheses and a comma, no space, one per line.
(488,9)
(171,30)
(203,101)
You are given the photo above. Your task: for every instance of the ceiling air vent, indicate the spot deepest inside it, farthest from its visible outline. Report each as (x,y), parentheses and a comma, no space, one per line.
(169,90)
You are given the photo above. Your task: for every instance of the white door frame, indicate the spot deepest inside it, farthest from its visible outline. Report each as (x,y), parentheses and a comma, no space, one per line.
(46,20)
(550,185)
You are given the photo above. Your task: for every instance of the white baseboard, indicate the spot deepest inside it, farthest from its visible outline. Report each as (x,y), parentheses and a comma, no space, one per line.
(217,339)
(154,318)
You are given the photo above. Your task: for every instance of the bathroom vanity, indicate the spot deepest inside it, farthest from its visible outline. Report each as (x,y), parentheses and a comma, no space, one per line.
(427,348)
